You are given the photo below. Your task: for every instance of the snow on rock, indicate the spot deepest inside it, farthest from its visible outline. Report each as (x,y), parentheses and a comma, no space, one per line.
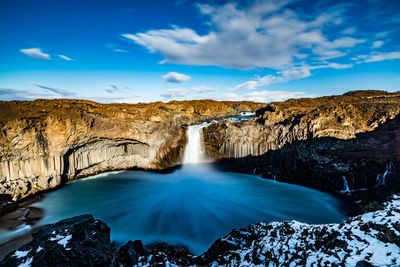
(26,263)
(69,242)
(62,240)
(21,254)
(373,237)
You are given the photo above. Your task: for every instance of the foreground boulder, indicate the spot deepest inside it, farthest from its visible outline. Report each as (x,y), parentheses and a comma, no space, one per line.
(76,241)
(371,239)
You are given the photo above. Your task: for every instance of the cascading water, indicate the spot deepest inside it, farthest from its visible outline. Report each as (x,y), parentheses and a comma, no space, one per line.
(194,152)
(346,186)
(381,178)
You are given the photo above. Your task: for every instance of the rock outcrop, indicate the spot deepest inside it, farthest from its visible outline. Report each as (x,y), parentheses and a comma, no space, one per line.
(77,241)
(326,143)
(371,239)
(44,143)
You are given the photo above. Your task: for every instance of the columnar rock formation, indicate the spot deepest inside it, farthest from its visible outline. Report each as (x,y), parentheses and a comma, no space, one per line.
(319,142)
(46,142)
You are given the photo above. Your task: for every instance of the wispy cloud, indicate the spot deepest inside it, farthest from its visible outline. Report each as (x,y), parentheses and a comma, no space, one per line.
(8,94)
(377,44)
(287,75)
(204,89)
(114,99)
(376,57)
(116,48)
(267,34)
(61,92)
(17,94)
(263,96)
(66,58)
(175,77)
(112,88)
(36,53)
(174,93)
(350,30)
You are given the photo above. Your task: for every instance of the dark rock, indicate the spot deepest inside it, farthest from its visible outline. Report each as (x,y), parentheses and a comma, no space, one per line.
(77,241)
(160,254)
(129,254)
(364,264)
(317,142)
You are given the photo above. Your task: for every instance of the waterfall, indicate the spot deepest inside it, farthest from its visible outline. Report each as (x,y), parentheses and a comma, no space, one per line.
(381,179)
(194,152)
(346,186)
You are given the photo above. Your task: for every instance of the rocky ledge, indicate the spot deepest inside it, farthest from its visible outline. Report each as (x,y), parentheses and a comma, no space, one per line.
(347,144)
(371,239)
(44,143)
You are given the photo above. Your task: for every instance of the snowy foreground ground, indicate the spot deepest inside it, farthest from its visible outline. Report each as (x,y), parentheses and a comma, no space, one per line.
(369,239)
(373,237)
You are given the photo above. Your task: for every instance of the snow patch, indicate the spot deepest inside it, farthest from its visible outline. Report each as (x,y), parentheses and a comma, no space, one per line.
(21,254)
(62,240)
(27,263)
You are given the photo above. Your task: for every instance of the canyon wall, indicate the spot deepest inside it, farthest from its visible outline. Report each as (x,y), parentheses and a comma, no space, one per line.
(326,143)
(44,143)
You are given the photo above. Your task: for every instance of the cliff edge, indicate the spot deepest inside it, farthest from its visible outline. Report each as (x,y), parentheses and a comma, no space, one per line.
(44,143)
(348,143)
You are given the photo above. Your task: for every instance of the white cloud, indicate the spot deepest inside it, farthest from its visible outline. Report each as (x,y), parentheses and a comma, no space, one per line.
(263,96)
(266,34)
(36,53)
(377,44)
(287,75)
(17,94)
(382,56)
(350,30)
(172,93)
(282,76)
(66,58)
(249,85)
(376,56)
(204,89)
(52,89)
(175,77)
(336,66)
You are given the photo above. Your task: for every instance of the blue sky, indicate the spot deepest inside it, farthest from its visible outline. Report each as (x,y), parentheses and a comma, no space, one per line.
(141,51)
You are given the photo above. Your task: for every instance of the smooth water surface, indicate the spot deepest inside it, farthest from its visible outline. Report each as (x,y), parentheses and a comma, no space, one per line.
(192,206)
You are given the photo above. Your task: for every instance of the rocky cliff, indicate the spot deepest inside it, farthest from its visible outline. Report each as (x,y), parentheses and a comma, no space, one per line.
(348,143)
(44,143)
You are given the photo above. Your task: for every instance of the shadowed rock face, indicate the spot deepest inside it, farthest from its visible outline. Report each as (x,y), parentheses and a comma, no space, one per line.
(315,142)
(43,143)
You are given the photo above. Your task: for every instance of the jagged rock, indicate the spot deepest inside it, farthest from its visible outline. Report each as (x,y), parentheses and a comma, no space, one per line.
(77,241)
(159,254)
(351,243)
(315,142)
(43,143)
(129,254)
